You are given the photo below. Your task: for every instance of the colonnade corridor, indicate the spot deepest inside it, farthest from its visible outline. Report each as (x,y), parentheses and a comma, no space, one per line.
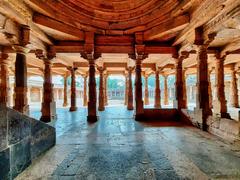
(117,147)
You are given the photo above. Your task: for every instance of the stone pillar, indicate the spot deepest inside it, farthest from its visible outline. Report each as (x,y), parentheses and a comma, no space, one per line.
(146,93)
(179,101)
(4,83)
(210,89)
(105,89)
(85,91)
(139,111)
(157,103)
(48,104)
(126,90)
(73,90)
(101,101)
(234,88)
(220,103)
(202,98)
(166,102)
(21,101)
(65,88)
(130,90)
(184,88)
(92,108)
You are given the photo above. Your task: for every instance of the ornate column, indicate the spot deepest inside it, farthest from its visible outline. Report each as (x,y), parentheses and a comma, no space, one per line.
(234,88)
(73,89)
(139,111)
(92,108)
(65,88)
(180,100)
(220,103)
(105,89)
(126,90)
(157,103)
(184,88)
(166,102)
(210,89)
(146,93)
(4,83)
(130,90)
(101,101)
(85,91)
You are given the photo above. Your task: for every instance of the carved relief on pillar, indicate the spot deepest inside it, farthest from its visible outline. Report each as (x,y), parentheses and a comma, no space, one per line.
(234,88)
(85,99)
(146,92)
(220,103)
(4,82)
(130,89)
(48,104)
(157,101)
(101,100)
(73,106)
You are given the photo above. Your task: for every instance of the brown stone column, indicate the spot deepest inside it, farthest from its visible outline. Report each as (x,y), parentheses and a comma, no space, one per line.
(210,89)
(139,111)
(21,101)
(184,88)
(65,97)
(126,90)
(4,83)
(101,104)
(179,101)
(157,103)
(202,98)
(166,102)
(105,89)
(130,90)
(73,90)
(234,88)
(146,93)
(92,107)
(48,104)
(220,103)
(85,91)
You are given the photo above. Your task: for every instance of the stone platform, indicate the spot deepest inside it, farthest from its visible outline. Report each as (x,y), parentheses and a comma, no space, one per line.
(22,139)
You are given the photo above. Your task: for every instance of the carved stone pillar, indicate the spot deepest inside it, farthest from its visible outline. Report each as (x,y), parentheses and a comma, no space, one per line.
(210,89)
(21,101)
(73,90)
(126,90)
(101,101)
(65,88)
(48,104)
(4,83)
(105,89)
(146,93)
(220,103)
(130,90)
(157,103)
(184,88)
(85,91)
(92,108)
(179,101)
(166,102)
(202,98)
(139,111)
(234,88)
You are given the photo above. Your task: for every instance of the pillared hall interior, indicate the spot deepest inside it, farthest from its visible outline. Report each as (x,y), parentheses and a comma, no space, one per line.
(119,89)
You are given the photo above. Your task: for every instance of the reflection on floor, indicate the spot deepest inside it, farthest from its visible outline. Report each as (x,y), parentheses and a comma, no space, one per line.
(117,147)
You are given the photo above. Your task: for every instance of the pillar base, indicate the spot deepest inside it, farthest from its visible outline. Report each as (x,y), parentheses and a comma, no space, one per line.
(130,108)
(24,110)
(65,104)
(157,106)
(73,109)
(101,108)
(217,110)
(92,119)
(139,117)
(46,119)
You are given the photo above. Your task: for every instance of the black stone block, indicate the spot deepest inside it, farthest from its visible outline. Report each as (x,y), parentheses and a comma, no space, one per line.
(5,164)
(20,156)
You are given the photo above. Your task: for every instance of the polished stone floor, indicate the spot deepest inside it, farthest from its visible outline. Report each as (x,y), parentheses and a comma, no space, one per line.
(117,147)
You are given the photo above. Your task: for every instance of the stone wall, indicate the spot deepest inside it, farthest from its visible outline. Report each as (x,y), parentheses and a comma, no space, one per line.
(161,114)
(21,140)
